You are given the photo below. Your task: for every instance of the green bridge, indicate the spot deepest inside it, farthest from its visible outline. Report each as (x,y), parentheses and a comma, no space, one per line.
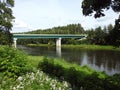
(57,36)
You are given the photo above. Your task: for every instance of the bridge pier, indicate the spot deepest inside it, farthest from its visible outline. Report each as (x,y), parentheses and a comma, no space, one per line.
(58,42)
(58,51)
(15,42)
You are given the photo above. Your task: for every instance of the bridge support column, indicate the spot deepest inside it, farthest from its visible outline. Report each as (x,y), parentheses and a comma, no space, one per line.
(58,51)
(15,42)
(58,42)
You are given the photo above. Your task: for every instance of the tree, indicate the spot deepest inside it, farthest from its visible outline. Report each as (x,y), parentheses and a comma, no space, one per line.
(98,6)
(6,18)
(114,35)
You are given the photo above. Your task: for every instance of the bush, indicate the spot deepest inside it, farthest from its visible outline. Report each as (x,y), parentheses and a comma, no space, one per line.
(50,68)
(13,62)
(93,82)
(112,82)
(74,77)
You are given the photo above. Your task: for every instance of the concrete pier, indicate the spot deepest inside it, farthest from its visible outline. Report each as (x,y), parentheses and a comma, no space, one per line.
(58,42)
(15,42)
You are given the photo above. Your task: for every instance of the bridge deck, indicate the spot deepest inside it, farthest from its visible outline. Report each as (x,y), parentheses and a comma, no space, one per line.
(49,36)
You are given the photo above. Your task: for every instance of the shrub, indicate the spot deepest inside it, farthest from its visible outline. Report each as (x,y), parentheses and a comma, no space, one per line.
(13,62)
(52,69)
(93,82)
(112,82)
(74,77)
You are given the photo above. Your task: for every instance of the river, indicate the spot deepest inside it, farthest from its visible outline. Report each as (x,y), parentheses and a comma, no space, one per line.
(101,60)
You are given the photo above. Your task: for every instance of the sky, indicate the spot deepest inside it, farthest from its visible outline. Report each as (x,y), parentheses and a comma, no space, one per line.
(43,14)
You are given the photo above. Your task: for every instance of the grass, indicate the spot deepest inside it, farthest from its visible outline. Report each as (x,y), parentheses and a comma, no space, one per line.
(90,47)
(39,45)
(34,60)
(81,46)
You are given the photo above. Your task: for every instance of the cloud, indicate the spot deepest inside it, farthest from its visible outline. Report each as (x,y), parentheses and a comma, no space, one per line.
(19,24)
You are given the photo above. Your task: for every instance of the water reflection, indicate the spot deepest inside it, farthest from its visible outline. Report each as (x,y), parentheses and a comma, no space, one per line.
(58,51)
(107,61)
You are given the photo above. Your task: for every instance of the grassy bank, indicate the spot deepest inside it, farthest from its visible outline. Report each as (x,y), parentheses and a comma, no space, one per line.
(39,45)
(79,76)
(90,47)
(79,47)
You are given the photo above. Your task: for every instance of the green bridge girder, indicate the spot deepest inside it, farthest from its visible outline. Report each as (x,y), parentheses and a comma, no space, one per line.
(22,36)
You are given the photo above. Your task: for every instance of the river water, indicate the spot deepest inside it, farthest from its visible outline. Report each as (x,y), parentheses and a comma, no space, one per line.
(101,60)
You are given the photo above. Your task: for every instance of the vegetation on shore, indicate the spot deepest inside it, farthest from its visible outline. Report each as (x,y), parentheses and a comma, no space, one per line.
(18,71)
(79,47)
(91,47)
(79,77)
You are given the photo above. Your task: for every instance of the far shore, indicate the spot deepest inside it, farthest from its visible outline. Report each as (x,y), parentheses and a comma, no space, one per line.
(79,47)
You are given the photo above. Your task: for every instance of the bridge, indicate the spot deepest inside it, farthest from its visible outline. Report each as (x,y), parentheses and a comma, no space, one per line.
(57,36)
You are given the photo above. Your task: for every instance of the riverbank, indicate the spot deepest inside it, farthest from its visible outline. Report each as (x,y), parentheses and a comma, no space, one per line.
(78,76)
(91,47)
(79,47)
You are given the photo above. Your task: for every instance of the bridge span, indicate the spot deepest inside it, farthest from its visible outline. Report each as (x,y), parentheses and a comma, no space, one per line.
(57,36)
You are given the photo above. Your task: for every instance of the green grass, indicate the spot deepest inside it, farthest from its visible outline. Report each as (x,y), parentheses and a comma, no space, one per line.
(34,60)
(90,47)
(79,47)
(39,45)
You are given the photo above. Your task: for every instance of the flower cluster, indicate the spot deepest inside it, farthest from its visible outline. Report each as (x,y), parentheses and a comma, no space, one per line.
(38,81)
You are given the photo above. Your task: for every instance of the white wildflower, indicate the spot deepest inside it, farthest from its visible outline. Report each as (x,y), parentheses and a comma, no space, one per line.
(65,84)
(14,88)
(20,78)
(53,86)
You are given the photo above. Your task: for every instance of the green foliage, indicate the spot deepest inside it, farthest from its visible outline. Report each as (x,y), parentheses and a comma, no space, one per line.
(112,82)
(79,77)
(97,6)
(6,18)
(114,35)
(3,39)
(13,62)
(76,76)
(93,82)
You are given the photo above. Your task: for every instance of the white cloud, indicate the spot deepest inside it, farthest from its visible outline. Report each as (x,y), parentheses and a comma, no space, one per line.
(20,24)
